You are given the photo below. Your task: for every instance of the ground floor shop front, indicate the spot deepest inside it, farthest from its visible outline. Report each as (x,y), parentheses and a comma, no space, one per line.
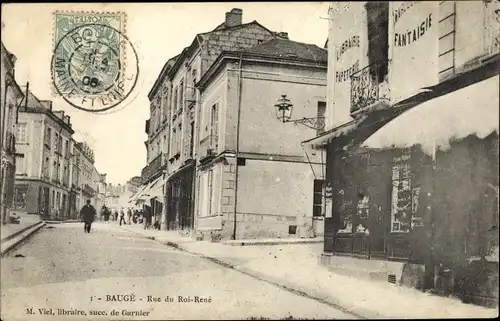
(423,190)
(179,198)
(42,198)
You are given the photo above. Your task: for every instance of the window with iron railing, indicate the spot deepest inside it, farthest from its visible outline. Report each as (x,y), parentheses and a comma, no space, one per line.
(369,86)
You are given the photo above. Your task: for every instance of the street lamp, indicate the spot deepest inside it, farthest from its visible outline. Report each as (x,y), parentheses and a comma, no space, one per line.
(284,109)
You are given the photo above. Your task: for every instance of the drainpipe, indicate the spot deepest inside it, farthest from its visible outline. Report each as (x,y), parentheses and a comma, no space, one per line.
(3,166)
(240,85)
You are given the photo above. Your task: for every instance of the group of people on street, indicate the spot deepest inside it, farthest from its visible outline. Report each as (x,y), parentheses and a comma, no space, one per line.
(125,217)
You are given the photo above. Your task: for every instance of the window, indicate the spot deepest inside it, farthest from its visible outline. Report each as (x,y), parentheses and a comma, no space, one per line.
(191,140)
(21,136)
(179,139)
(174,99)
(181,95)
(174,142)
(210,190)
(165,144)
(165,102)
(48,137)
(66,149)
(321,117)
(46,168)
(214,126)
(57,143)
(58,175)
(20,164)
(318,198)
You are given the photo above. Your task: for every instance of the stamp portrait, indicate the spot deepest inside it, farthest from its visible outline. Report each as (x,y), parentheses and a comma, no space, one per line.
(89,64)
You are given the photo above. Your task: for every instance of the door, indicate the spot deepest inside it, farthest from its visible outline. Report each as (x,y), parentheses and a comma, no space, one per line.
(379,189)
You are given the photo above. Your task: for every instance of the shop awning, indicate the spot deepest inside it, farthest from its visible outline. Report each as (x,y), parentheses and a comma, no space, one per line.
(150,191)
(138,193)
(472,110)
(322,140)
(156,191)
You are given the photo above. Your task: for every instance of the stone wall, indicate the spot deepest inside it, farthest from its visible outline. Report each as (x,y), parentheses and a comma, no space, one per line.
(243,37)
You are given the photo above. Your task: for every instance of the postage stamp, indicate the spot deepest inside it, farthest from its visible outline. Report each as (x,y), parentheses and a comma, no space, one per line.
(89,65)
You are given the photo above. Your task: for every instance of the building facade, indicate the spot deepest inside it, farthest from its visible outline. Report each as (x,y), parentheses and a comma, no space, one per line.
(173,127)
(11,96)
(412,142)
(88,178)
(44,162)
(254,179)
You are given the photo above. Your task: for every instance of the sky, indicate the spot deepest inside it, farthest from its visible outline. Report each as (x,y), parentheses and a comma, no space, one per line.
(158,31)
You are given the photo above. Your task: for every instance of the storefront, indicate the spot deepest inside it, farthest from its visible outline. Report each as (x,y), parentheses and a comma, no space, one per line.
(179,198)
(423,188)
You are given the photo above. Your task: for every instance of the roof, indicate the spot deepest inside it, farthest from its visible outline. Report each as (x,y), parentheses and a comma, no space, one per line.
(275,50)
(168,65)
(285,48)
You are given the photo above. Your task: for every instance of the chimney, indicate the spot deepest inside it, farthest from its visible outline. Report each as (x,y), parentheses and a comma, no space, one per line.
(233,18)
(283,35)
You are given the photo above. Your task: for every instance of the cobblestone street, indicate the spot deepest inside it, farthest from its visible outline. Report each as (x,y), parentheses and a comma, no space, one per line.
(91,271)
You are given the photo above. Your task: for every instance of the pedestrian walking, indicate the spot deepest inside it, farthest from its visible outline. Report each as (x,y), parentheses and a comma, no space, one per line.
(105,213)
(129,216)
(122,217)
(87,215)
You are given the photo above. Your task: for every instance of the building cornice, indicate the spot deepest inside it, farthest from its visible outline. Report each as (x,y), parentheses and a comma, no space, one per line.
(48,113)
(227,56)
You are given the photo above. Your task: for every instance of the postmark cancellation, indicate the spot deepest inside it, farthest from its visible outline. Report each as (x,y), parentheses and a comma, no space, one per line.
(94,65)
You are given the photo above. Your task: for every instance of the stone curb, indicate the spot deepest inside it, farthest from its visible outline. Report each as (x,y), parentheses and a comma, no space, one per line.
(360,313)
(62,222)
(11,236)
(23,238)
(257,243)
(290,287)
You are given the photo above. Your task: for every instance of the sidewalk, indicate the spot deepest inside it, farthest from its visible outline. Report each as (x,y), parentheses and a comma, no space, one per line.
(26,221)
(14,234)
(296,267)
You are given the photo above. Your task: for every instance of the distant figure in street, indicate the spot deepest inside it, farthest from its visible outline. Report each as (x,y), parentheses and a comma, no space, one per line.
(105,213)
(115,215)
(147,218)
(88,215)
(122,217)
(129,216)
